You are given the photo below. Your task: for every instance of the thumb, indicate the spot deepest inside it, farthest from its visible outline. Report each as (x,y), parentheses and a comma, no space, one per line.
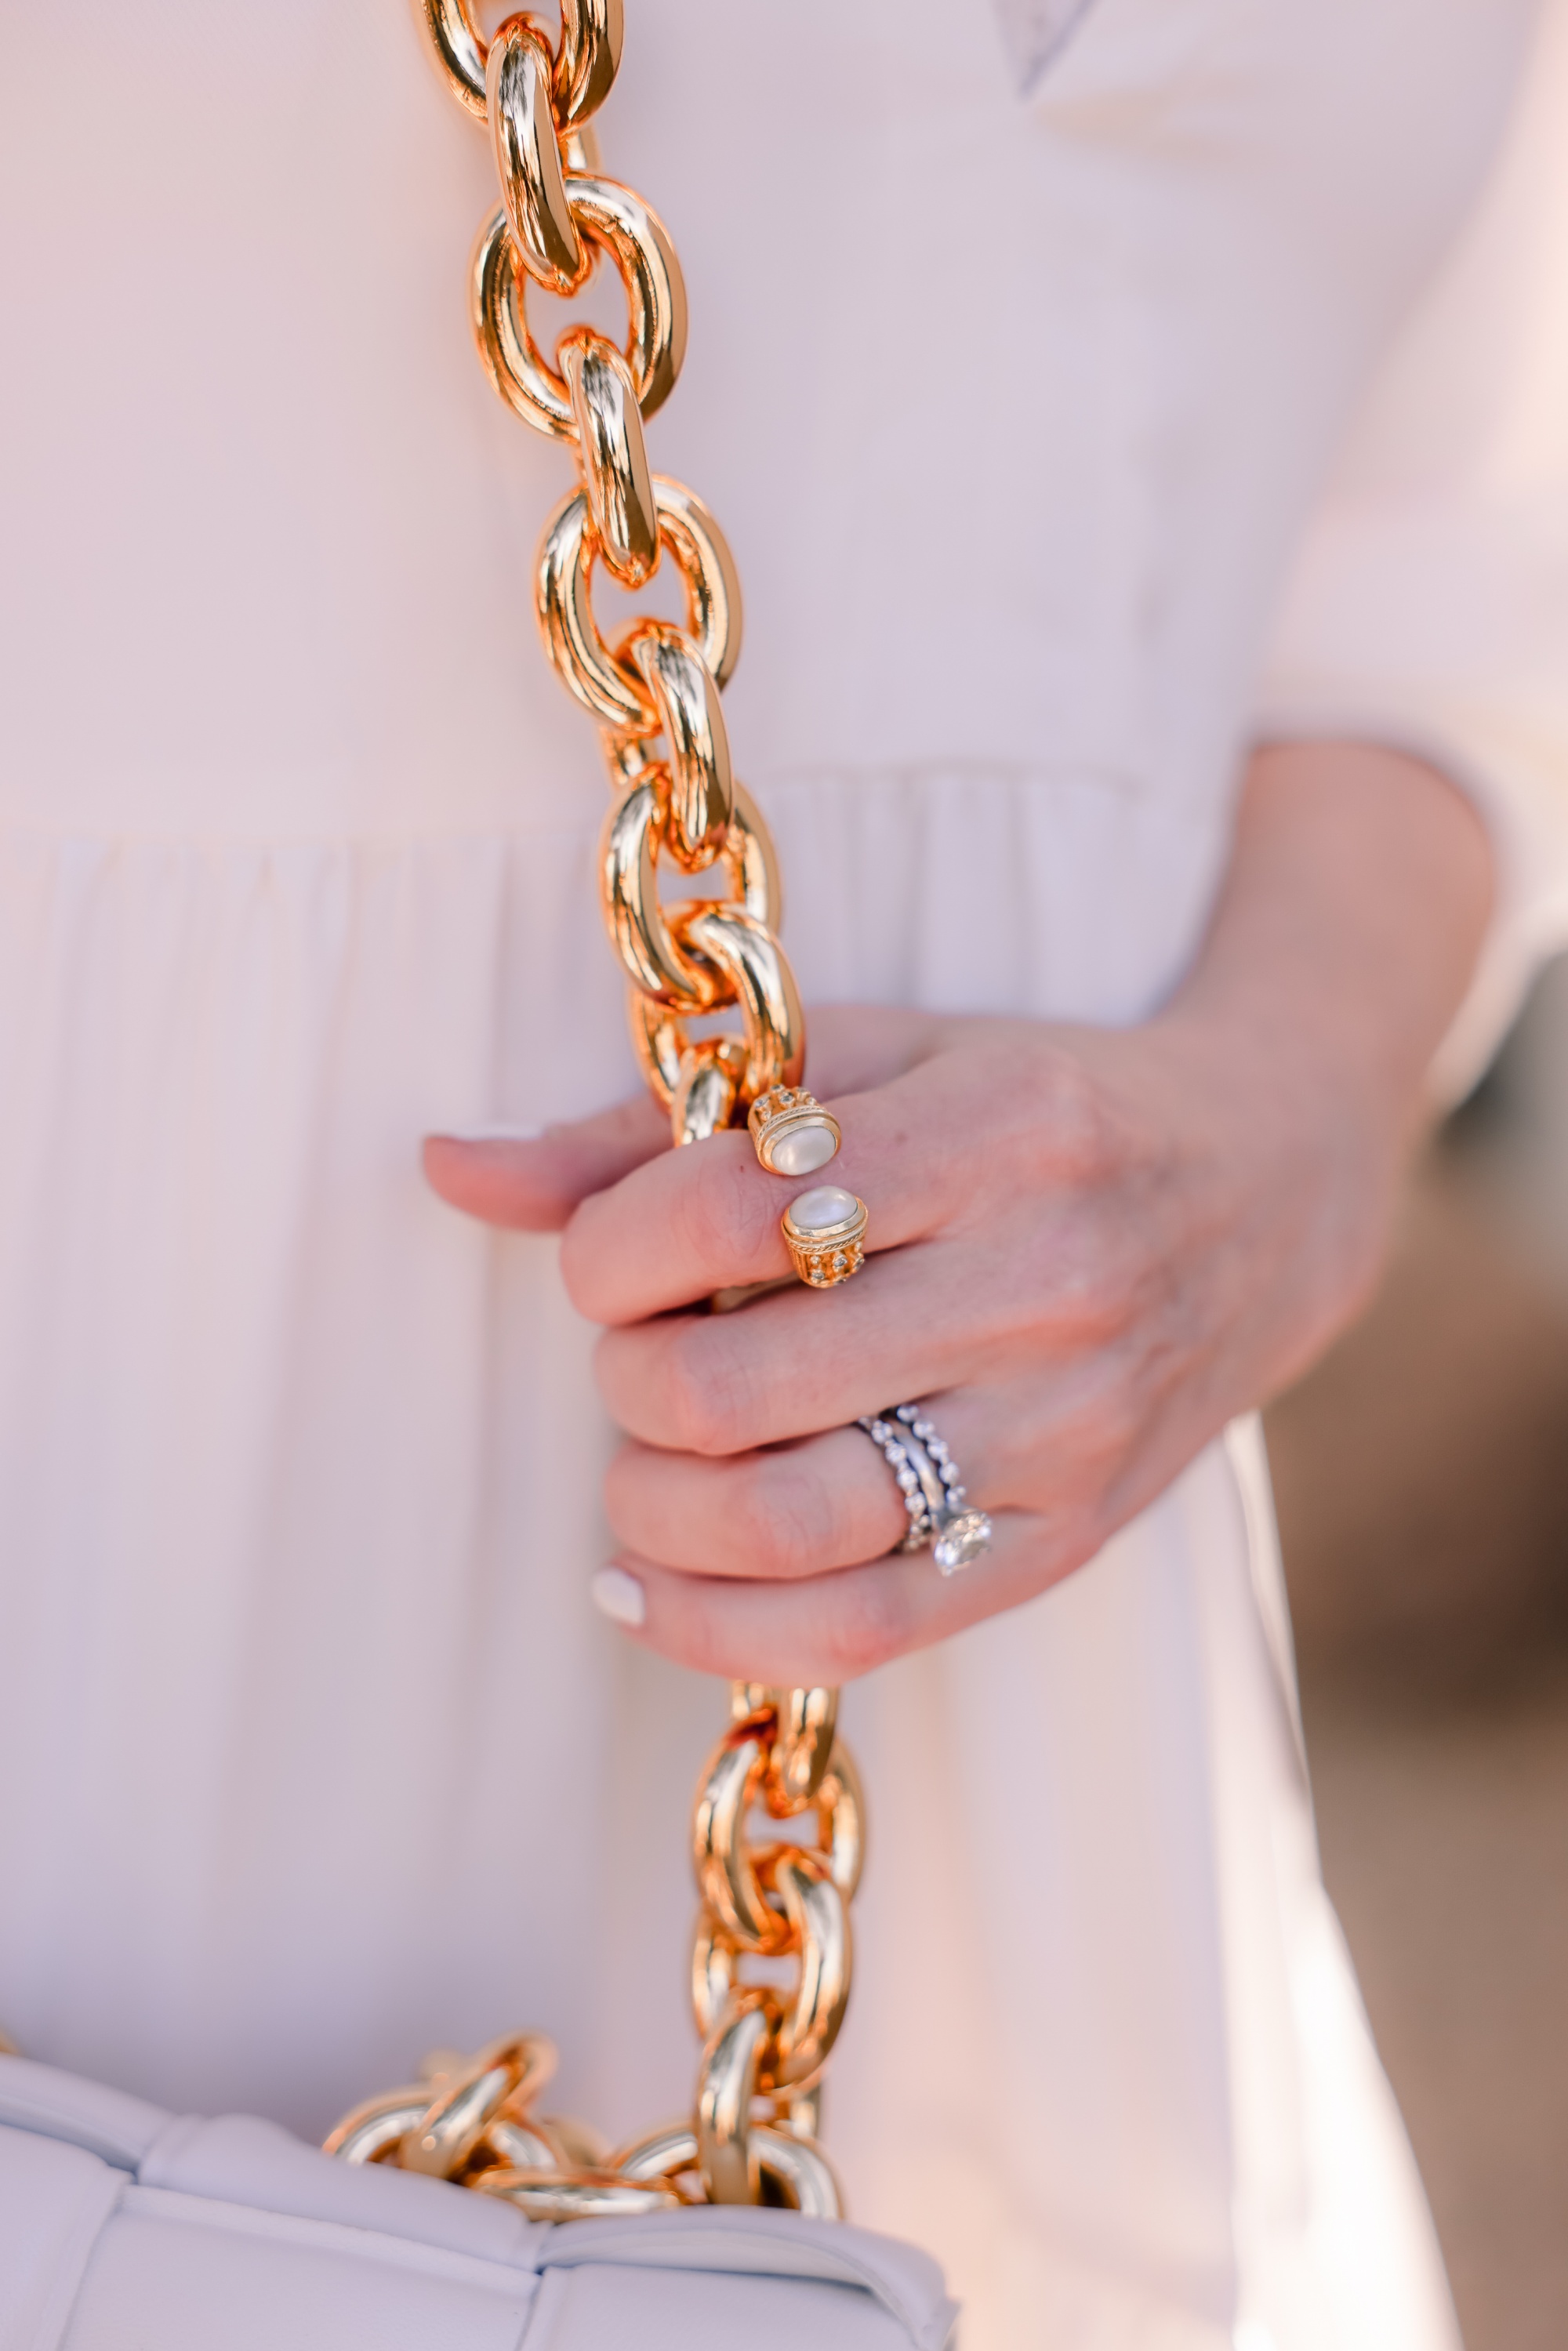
(532,1183)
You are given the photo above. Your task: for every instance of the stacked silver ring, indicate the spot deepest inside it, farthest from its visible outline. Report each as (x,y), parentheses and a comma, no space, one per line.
(933,1489)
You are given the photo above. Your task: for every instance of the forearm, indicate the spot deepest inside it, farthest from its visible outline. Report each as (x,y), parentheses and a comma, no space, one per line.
(1349,923)
(1340,949)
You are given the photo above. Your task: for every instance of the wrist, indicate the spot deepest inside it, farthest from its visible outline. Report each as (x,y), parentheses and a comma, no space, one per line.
(1304,1135)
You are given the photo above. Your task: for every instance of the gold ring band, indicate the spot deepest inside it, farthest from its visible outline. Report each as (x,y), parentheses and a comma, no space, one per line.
(824,1231)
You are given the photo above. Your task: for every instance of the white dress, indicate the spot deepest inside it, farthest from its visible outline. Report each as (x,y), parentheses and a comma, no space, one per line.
(1015,393)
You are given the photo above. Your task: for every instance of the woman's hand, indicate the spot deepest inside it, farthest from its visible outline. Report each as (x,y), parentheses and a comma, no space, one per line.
(1088,1247)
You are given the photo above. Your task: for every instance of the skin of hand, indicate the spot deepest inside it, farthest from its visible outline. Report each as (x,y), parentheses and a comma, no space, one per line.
(1089,1247)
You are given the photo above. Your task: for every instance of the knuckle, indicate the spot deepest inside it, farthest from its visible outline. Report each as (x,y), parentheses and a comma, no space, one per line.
(868,1627)
(706,1391)
(1106,1431)
(1103,1296)
(693,1633)
(1086,1136)
(627,1496)
(1106,1436)
(784,1521)
(579,1272)
(724,1216)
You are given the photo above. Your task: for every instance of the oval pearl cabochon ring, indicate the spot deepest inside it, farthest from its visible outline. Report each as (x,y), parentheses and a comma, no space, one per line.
(793,1134)
(824,1232)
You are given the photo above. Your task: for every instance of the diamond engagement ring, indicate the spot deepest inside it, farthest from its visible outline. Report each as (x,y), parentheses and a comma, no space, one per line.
(932,1486)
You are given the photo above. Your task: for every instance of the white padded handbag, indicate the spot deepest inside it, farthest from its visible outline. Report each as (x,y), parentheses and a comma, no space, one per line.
(126,2229)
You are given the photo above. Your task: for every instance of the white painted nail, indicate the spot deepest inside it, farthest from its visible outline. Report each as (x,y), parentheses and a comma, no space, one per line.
(618,1596)
(489,1135)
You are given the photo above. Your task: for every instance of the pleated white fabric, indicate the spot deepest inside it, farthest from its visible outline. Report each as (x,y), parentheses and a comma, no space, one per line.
(313,1754)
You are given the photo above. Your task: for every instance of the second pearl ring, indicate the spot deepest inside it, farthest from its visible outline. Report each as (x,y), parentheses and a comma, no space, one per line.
(823,1231)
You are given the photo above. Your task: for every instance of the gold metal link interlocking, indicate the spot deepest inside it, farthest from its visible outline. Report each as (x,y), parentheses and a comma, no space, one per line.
(655,693)
(585,64)
(610,687)
(634,832)
(614,454)
(614,221)
(518,75)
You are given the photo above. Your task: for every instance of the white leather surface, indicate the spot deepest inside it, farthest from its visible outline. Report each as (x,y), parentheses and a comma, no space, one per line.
(178,2274)
(615,2309)
(55,2200)
(123,2228)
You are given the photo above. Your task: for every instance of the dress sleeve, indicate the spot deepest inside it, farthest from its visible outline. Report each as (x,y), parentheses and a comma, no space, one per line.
(1428,606)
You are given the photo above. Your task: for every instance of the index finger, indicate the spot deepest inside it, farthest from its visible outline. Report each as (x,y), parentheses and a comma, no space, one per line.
(707,1217)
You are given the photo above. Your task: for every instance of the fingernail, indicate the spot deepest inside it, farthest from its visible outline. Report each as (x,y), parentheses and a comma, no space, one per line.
(488,1134)
(618,1596)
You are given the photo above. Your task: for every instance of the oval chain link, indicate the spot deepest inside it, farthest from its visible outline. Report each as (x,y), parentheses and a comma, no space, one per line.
(753,2130)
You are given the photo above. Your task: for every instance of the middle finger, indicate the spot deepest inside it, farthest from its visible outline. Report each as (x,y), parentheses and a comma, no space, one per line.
(691,1222)
(916,1319)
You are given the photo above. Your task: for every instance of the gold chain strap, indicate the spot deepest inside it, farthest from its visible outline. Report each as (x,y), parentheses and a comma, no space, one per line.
(753,2135)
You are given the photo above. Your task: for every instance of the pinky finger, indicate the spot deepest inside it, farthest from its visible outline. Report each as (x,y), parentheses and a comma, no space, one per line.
(825,1629)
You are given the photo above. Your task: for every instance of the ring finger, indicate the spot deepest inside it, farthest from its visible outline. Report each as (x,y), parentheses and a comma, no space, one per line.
(794,1510)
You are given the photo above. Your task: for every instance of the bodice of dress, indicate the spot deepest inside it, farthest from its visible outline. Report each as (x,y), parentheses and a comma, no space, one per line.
(1010,409)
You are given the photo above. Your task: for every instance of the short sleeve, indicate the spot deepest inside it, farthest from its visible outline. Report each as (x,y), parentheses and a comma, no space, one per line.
(1429,606)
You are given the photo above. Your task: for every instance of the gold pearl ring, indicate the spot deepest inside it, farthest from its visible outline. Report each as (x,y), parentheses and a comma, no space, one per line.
(824,1232)
(793,1134)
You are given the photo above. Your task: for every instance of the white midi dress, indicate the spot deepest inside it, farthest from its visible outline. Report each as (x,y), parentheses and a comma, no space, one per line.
(1076,408)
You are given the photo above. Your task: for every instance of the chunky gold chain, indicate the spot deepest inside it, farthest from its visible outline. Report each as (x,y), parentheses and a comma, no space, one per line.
(752,2137)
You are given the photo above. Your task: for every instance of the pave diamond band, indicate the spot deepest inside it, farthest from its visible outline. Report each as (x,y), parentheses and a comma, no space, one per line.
(915,1474)
(932,1486)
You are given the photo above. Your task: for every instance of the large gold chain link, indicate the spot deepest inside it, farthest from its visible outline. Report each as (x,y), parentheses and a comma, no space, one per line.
(752,2137)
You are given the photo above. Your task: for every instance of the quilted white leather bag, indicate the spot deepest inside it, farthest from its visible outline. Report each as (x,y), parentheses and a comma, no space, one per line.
(126,2229)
